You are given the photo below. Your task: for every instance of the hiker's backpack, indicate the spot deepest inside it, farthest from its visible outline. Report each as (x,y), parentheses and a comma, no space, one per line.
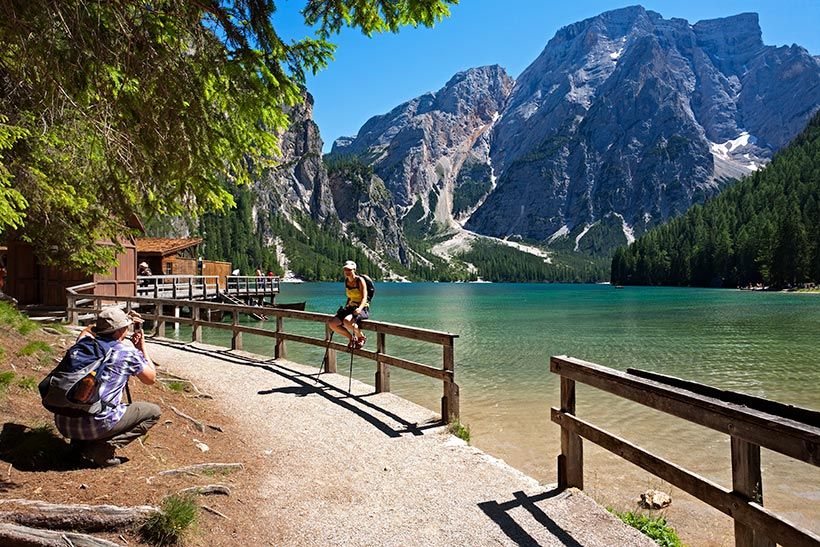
(73,387)
(371,287)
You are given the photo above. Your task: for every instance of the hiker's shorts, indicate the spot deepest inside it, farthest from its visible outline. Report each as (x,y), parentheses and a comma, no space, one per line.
(349,310)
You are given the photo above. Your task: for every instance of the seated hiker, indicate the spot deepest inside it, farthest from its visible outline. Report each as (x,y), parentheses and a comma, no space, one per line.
(96,436)
(347,318)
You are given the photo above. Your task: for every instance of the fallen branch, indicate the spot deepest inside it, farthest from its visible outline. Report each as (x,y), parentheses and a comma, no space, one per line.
(15,535)
(200,427)
(88,518)
(204,468)
(207,490)
(196,390)
(215,512)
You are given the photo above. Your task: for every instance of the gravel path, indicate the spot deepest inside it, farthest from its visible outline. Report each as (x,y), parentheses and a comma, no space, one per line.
(372,469)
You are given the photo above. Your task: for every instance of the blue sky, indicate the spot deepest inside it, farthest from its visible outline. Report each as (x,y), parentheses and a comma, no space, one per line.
(370,76)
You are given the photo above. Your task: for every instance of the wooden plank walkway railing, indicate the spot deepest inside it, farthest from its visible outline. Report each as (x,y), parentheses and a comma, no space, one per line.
(92,304)
(178,286)
(751,422)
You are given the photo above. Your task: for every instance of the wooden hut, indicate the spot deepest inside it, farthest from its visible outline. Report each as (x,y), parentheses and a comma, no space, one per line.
(178,256)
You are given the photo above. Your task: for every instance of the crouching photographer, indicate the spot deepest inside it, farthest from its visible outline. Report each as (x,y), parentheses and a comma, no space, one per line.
(85,390)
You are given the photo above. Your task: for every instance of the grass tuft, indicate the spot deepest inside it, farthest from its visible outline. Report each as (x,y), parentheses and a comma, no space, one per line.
(168,526)
(29,383)
(175,386)
(6,378)
(655,528)
(459,430)
(10,316)
(34,346)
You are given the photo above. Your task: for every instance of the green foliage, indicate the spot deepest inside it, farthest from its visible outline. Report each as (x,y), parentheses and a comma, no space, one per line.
(16,320)
(500,263)
(653,527)
(6,377)
(34,346)
(233,236)
(177,515)
(764,229)
(317,252)
(115,108)
(459,430)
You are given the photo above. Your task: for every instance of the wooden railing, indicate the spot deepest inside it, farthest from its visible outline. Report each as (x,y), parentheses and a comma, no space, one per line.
(81,304)
(178,286)
(751,422)
(248,285)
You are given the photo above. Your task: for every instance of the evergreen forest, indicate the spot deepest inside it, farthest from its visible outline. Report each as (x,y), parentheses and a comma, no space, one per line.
(764,230)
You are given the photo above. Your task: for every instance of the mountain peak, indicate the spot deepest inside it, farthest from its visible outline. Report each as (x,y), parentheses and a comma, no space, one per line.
(730,41)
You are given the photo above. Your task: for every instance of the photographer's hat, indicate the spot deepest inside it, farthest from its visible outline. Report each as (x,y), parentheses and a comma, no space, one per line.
(111,319)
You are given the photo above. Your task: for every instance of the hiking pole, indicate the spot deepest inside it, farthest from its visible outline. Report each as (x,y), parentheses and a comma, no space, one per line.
(324,360)
(350,374)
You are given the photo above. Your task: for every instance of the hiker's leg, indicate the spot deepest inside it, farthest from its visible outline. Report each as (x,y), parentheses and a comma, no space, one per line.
(336,325)
(139,417)
(352,326)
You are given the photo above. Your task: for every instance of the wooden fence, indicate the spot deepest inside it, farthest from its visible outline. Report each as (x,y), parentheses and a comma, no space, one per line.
(80,304)
(751,423)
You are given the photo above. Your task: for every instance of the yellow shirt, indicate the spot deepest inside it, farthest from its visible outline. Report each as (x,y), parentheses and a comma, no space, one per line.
(354,294)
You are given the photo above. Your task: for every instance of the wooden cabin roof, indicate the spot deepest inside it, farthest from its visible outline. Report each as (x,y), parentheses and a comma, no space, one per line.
(165,246)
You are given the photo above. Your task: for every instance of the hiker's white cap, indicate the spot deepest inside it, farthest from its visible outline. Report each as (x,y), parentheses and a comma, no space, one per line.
(349,265)
(111,319)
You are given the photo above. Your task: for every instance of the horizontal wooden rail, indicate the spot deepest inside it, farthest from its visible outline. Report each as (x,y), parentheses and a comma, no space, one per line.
(756,422)
(199,319)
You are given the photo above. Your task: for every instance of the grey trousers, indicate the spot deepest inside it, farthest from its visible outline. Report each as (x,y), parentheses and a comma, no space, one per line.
(139,417)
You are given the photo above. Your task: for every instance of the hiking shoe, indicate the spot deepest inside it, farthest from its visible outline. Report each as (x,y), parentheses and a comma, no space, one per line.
(360,342)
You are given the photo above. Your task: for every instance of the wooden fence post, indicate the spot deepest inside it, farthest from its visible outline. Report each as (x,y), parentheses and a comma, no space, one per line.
(449,402)
(280,352)
(382,369)
(160,323)
(330,363)
(196,332)
(236,338)
(571,459)
(190,288)
(748,482)
(72,313)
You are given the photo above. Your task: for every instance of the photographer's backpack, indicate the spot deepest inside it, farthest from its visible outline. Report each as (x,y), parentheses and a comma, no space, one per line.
(73,387)
(371,287)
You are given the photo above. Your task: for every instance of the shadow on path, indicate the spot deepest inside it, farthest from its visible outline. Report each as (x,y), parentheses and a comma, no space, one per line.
(499,513)
(312,384)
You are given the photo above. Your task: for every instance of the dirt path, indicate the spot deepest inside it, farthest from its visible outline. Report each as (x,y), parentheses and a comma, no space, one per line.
(372,469)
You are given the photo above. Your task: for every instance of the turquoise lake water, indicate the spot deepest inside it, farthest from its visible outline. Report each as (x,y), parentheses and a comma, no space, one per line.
(765,344)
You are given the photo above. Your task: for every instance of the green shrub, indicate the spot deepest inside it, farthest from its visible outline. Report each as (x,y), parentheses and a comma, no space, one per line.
(168,526)
(459,430)
(34,346)
(655,528)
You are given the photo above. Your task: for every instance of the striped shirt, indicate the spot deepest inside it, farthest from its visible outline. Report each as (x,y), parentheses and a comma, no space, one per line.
(126,361)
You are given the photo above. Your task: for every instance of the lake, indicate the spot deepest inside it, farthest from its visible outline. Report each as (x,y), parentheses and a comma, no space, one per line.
(764,344)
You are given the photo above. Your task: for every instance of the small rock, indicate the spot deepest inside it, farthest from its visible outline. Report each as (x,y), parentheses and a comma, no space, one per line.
(83,486)
(653,499)
(167,422)
(268,452)
(202,446)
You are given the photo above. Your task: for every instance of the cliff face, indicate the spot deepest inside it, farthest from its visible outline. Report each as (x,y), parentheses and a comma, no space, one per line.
(633,116)
(420,146)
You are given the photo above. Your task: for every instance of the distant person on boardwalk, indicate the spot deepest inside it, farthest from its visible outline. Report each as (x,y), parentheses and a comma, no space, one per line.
(144,269)
(96,437)
(347,318)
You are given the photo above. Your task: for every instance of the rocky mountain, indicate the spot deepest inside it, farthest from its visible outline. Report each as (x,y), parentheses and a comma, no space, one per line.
(419,148)
(624,120)
(347,195)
